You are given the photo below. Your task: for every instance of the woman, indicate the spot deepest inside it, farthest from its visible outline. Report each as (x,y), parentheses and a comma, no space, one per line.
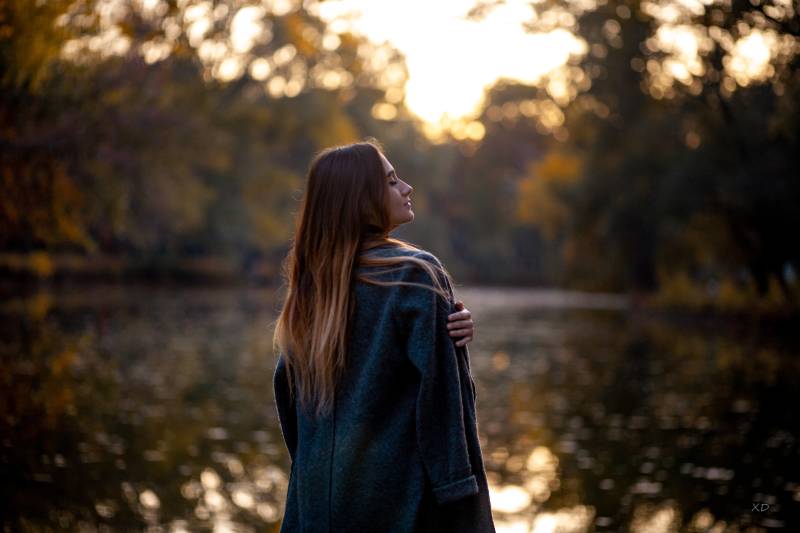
(375,398)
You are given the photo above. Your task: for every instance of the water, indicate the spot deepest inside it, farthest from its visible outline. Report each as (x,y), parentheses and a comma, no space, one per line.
(141,408)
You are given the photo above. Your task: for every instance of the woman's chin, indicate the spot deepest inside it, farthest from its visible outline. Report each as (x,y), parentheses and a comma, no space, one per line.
(409,217)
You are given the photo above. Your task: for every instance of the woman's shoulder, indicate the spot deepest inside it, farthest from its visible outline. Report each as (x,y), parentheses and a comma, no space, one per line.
(416,273)
(407,251)
(410,271)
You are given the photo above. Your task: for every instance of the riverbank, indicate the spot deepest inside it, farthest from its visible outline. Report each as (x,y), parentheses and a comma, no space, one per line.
(677,295)
(45,267)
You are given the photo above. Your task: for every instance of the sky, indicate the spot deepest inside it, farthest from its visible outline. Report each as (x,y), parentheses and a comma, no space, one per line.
(452,60)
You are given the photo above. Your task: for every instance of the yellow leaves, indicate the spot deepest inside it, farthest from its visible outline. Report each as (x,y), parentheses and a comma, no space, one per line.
(42,199)
(62,361)
(36,306)
(66,203)
(40,264)
(30,40)
(558,166)
(677,289)
(116,96)
(336,128)
(295,27)
(539,202)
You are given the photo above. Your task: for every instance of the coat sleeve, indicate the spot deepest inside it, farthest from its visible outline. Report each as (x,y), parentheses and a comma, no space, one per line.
(287,415)
(441,435)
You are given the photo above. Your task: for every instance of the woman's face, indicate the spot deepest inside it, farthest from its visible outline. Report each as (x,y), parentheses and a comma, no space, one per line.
(398,195)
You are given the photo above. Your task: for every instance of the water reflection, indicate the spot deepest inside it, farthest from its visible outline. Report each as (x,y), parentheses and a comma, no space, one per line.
(152,407)
(654,425)
(140,408)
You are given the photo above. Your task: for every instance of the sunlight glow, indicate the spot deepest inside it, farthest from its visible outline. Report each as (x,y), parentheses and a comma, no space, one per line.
(510,499)
(650,518)
(260,69)
(229,69)
(452,60)
(577,519)
(751,56)
(149,499)
(247,28)
(673,11)
(517,525)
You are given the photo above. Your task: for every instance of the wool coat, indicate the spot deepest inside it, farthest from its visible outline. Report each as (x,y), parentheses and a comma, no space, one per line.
(399,451)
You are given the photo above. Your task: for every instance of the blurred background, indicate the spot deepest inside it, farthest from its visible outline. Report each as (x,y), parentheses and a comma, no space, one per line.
(613,185)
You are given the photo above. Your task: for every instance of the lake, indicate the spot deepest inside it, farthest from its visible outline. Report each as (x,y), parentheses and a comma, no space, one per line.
(150,408)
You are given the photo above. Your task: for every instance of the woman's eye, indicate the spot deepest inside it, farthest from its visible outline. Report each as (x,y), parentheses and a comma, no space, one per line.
(392,182)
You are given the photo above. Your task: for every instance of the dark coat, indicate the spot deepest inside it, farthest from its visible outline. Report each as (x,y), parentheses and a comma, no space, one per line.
(400,450)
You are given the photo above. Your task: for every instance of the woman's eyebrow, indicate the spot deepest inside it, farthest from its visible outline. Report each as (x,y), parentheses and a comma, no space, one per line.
(388,174)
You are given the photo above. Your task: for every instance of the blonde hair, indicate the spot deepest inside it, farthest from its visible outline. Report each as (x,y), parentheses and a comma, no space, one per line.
(343,217)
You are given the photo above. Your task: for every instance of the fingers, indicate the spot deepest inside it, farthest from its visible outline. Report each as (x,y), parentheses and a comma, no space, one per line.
(461,324)
(459,315)
(464,341)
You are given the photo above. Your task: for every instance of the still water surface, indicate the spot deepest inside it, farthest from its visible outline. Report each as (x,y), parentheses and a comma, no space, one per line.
(151,409)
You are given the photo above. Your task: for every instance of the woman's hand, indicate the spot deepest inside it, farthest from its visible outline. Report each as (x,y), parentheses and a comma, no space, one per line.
(461,324)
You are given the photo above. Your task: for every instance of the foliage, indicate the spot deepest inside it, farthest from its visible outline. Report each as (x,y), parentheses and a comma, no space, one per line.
(162,136)
(111,148)
(687,167)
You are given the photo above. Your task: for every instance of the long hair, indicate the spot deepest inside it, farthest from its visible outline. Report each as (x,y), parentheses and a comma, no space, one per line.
(343,215)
